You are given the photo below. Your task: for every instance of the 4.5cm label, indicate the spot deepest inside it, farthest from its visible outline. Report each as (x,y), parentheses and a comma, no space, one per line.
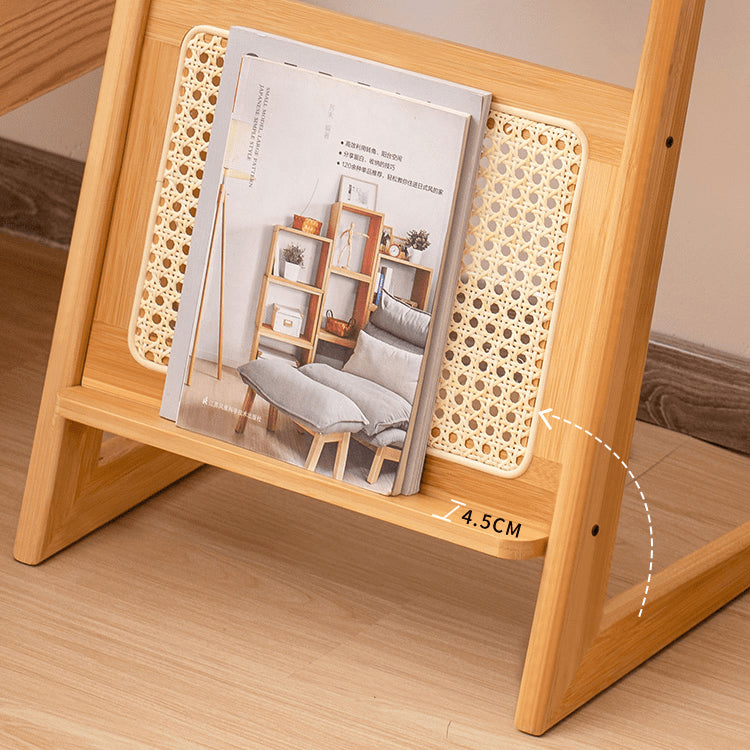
(497,524)
(486,521)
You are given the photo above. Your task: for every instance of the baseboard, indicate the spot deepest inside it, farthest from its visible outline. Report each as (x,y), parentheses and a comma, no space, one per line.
(686,388)
(697,391)
(38,193)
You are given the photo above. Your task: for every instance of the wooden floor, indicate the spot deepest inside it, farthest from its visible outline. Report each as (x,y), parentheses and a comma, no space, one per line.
(184,625)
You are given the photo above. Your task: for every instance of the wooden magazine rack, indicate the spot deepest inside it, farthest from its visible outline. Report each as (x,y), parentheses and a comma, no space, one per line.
(567,502)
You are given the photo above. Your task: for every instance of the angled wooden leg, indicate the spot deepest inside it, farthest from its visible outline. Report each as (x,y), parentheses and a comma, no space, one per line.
(84,484)
(342,451)
(247,405)
(315,449)
(579,644)
(273,417)
(384,453)
(69,491)
(679,598)
(377,465)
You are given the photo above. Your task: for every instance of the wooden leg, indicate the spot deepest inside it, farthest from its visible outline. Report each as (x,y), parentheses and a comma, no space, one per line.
(385,453)
(75,489)
(580,643)
(680,597)
(69,491)
(342,451)
(273,416)
(314,453)
(247,405)
(377,465)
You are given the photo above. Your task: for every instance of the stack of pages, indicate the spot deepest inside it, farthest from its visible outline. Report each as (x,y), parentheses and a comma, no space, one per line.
(326,247)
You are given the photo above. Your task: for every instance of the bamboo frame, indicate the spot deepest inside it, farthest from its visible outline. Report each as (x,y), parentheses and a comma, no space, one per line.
(55,47)
(579,643)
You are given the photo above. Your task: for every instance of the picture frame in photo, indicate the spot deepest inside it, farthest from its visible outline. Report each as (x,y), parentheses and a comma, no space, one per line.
(386,236)
(358,192)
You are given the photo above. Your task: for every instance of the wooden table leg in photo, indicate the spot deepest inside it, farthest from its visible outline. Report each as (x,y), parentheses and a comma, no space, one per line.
(273,417)
(342,451)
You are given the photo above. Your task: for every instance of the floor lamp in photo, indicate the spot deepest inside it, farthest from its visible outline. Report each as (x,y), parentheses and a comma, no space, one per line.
(239,134)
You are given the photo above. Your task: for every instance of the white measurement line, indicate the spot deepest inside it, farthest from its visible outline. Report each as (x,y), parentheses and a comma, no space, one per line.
(452,510)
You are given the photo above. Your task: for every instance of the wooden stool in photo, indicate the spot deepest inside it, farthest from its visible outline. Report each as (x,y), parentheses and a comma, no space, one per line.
(320,440)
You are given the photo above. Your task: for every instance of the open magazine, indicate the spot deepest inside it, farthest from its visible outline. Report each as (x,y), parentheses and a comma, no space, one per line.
(324,224)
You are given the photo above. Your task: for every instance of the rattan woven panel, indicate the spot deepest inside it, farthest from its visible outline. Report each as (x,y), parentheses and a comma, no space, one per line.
(503,316)
(176,197)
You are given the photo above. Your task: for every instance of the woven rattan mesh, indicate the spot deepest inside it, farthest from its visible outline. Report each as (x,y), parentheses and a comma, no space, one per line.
(494,361)
(503,311)
(163,270)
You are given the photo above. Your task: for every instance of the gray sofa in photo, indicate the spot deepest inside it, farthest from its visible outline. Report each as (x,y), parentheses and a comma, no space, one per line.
(370,398)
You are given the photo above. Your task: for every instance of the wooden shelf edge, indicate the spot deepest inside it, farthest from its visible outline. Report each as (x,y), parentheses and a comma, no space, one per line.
(403,262)
(334,339)
(269,333)
(347,273)
(292,230)
(298,285)
(140,421)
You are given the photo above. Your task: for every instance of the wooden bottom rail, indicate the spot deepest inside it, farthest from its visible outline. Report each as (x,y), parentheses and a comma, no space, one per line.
(680,597)
(425,512)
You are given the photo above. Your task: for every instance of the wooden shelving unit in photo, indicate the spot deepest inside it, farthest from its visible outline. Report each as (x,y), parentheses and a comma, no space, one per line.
(306,342)
(343,228)
(421,278)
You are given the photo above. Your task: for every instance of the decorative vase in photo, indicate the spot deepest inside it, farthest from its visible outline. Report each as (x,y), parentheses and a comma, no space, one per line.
(294,260)
(417,241)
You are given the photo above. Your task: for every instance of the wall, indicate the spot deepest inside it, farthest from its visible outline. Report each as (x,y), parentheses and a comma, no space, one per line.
(703,289)
(59,121)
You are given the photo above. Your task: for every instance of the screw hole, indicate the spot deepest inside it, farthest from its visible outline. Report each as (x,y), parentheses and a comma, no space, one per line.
(670,142)
(595,529)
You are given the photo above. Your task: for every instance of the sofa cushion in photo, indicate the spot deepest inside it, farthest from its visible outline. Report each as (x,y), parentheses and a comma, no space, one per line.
(389,338)
(402,320)
(312,404)
(393,436)
(382,407)
(393,368)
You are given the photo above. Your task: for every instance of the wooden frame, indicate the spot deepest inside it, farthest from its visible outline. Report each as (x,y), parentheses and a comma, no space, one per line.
(420,288)
(57,47)
(347,183)
(580,643)
(363,277)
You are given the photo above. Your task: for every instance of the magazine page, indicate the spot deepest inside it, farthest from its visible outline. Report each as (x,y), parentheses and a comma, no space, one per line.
(329,223)
(244,41)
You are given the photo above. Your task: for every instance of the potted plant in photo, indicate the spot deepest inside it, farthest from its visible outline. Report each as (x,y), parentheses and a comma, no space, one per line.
(417,241)
(293,257)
